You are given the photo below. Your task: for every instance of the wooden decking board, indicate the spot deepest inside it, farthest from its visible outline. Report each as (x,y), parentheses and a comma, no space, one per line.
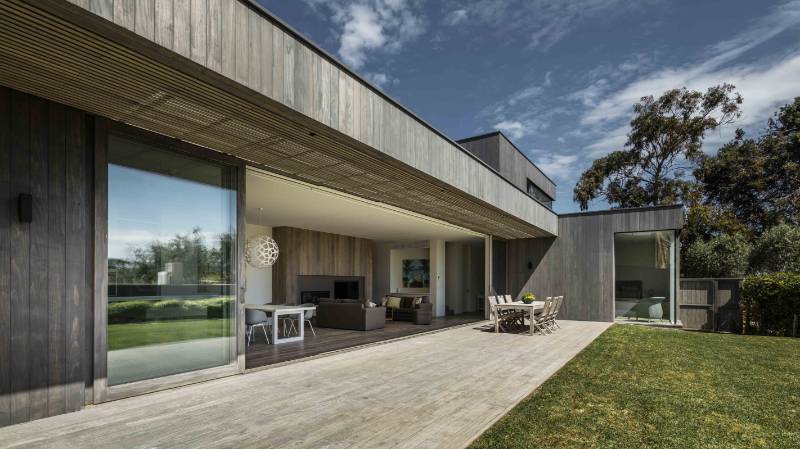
(328,340)
(436,390)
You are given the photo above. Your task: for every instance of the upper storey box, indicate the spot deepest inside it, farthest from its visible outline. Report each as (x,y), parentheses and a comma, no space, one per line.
(501,154)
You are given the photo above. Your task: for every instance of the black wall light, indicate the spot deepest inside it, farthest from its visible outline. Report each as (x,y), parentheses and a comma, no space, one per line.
(25,208)
(530,265)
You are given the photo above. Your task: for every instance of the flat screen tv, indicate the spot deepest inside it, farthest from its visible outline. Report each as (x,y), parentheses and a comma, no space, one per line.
(345,290)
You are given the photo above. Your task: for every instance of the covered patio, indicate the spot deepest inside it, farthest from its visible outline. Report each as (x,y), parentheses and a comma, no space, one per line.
(435,390)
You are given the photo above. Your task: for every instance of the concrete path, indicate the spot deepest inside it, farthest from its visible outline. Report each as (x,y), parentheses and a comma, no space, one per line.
(437,390)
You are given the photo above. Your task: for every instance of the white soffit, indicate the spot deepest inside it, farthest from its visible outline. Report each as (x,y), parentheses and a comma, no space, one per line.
(293,203)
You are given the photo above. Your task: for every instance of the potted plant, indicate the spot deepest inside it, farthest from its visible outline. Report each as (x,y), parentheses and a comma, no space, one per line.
(528,297)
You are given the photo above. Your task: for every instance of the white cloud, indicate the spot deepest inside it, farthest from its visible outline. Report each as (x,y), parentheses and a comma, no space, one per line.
(380,79)
(456,17)
(558,166)
(542,23)
(367,27)
(763,84)
(613,140)
(514,129)
(362,32)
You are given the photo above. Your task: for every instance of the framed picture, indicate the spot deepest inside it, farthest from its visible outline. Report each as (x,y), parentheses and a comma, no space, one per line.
(416,273)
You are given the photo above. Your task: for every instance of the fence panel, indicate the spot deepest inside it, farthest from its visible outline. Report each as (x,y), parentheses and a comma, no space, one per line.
(710,304)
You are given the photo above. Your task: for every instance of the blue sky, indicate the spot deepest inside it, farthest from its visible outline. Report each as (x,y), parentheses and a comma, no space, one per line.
(558,77)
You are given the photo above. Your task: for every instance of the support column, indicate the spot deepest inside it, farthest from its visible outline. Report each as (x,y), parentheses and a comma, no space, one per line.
(487,266)
(437,262)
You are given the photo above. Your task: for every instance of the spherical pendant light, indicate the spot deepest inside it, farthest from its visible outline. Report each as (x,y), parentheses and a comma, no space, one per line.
(261,251)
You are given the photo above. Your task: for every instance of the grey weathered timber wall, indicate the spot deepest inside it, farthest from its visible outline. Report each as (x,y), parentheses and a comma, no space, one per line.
(579,264)
(500,153)
(517,168)
(710,304)
(237,40)
(45,265)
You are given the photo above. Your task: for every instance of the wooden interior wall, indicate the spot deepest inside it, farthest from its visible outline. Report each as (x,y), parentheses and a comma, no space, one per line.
(45,265)
(579,263)
(305,252)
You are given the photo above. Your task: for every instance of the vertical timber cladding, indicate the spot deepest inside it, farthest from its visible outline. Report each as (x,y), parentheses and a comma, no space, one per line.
(45,294)
(306,252)
(579,263)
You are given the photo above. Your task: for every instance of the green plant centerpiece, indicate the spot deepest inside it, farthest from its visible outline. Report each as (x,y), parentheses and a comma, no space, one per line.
(528,298)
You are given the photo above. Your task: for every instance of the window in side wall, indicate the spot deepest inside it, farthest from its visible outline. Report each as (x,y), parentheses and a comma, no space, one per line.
(538,194)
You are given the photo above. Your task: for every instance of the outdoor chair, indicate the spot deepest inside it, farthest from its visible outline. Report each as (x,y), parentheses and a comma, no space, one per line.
(495,312)
(516,315)
(550,319)
(539,321)
(256,318)
(559,301)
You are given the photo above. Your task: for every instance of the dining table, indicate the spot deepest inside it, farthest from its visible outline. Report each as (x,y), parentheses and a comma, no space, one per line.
(288,311)
(529,308)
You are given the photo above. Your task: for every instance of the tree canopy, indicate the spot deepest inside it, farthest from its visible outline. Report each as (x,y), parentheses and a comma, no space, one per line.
(665,138)
(757,180)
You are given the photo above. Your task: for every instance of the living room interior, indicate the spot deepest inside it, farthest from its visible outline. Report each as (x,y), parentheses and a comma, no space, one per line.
(366,271)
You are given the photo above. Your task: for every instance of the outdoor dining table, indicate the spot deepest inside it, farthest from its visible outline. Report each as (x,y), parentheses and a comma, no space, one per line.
(281,309)
(531,309)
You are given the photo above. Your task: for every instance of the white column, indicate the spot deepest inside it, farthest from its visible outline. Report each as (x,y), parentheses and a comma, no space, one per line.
(487,255)
(437,266)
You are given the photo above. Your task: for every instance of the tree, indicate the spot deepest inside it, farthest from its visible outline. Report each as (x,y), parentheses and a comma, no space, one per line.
(665,137)
(722,256)
(758,180)
(777,250)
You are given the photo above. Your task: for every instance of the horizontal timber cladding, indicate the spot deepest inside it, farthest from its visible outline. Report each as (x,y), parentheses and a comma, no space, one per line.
(257,93)
(305,252)
(579,264)
(45,264)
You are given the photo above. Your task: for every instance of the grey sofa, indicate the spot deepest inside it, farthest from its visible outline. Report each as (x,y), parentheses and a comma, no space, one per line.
(409,310)
(350,314)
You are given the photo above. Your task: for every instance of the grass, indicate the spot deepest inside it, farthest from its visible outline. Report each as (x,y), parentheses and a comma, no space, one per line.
(121,336)
(637,387)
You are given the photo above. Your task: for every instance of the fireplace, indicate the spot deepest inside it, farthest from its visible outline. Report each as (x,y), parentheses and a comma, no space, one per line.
(313,297)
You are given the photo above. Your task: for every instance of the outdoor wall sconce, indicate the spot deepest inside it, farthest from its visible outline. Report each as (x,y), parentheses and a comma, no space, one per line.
(25,208)
(530,265)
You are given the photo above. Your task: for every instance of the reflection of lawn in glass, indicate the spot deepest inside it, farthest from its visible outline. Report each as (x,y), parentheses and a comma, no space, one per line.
(122,336)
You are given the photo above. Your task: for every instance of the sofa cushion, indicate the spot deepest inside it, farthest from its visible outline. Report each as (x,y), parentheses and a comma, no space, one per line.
(392,302)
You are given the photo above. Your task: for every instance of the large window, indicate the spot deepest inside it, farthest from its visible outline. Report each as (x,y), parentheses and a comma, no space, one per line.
(171,262)
(536,192)
(644,265)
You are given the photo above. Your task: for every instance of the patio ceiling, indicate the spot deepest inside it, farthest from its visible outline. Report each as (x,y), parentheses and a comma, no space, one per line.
(96,71)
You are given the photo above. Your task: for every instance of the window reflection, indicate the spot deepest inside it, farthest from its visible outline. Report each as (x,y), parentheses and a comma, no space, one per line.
(171,264)
(644,264)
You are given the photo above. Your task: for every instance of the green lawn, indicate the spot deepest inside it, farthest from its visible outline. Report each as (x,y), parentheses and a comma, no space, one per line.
(637,387)
(121,336)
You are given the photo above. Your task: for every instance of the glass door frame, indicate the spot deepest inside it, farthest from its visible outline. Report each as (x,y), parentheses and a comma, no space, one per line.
(101,391)
(674,254)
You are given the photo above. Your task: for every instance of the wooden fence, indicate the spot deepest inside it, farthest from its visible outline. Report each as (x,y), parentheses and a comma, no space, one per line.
(710,304)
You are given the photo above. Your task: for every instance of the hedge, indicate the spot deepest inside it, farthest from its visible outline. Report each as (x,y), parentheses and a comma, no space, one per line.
(770,302)
(168,309)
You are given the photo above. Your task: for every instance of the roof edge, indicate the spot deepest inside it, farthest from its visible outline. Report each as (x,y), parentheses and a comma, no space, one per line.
(500,133)
(258,8)
(622,210)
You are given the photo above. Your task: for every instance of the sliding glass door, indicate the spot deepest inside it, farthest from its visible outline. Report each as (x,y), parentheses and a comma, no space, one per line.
(171,262)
